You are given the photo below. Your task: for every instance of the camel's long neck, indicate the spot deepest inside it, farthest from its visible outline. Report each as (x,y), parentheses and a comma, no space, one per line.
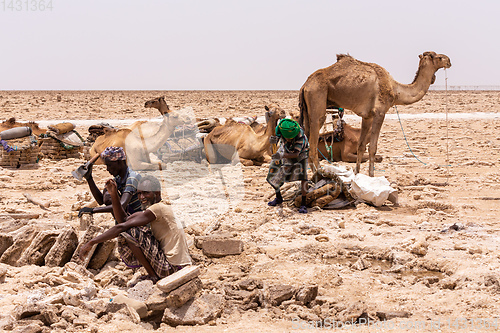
(411,93)
(164,132)
(264,138)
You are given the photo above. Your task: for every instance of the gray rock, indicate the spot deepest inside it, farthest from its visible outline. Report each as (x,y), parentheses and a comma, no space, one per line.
(388,315)
(307,294)
(250,284)
(63,248)
(3,273)
(275,295)
(198,311)
(142,290)
(43,312)
(218,247)
(361,264)
(353,312)
(448,283)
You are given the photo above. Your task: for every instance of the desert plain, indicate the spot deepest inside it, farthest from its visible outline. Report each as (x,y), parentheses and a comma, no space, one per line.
(431,263)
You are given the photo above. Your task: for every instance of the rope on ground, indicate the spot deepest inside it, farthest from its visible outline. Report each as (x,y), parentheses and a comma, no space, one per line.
(446,109)
(404,135)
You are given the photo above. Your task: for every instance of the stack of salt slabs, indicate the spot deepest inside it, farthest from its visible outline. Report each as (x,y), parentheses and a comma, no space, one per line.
(62,141)
(18,147)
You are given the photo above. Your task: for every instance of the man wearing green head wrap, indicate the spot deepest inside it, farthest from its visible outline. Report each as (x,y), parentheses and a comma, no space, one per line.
(290,161)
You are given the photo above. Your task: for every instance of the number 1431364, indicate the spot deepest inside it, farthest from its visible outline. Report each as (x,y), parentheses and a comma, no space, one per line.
(26,5)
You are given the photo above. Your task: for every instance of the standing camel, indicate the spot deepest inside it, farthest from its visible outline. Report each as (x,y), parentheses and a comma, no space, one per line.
(365,88)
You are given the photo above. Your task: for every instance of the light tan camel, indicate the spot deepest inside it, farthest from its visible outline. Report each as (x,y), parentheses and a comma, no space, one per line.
(140,139)
(11,123)
(237,140)
(365,88)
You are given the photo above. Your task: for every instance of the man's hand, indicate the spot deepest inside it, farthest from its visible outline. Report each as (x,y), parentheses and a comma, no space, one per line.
(84,250)
(88,174)
(274,139)
(277,156)
(111,186)
(85,210)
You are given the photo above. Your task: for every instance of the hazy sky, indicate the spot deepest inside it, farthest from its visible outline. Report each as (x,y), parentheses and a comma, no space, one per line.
(210,45)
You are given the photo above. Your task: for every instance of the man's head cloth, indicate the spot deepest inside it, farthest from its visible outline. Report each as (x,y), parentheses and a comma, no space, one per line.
(111,154)
(288,128)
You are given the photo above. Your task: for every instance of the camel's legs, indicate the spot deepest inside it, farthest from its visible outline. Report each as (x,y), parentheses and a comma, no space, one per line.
(316,115)
(351,158)
(366,124)
(209,151)
(375,132)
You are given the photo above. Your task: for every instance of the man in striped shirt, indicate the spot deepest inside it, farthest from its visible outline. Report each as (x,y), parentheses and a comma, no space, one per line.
(290,161)
(126,181)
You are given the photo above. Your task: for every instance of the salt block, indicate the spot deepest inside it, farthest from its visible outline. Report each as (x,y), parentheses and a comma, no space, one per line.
(180,296)
(307,294)
(178,278)
(5,242)
(35,253)
(91,232)
(138,306)
(222,247)
(63,248)
(21,242)
(101,254)
(195,312)
(276,294)
(157,301)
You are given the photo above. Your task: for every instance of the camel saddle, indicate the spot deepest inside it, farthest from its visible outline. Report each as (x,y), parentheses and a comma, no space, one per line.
(331,126)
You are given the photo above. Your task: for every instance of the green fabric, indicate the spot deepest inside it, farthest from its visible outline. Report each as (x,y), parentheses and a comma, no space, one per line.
(288,128)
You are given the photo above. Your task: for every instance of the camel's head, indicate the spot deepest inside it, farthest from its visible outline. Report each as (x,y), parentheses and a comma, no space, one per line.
(295,115)
(274,112)
(158,103)
(437,60)
(176,119)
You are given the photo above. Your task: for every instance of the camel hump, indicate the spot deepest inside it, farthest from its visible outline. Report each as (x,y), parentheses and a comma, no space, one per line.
(342,56)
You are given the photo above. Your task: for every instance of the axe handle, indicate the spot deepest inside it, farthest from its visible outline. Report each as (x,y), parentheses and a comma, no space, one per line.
(93,159)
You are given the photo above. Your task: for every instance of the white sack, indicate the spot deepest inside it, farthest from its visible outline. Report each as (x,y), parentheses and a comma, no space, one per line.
(375,190)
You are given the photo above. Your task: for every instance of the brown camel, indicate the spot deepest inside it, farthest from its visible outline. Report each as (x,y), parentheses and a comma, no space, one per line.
(158,103)
(140,139)
(234,137)
(11,123)
(365,88)
(345,150)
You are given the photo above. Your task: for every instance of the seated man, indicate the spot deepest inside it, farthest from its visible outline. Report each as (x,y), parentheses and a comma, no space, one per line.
(125,178)
(290,162)
(161,248)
